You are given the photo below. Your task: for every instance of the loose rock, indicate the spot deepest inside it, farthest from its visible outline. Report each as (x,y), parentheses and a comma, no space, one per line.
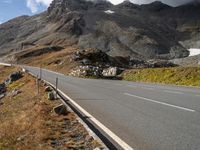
(83,71)
(2,88)
(110,72)
(15,92)
(15,76)
(86,62)
(48,89)
(2,96)
(89,138)
(61,110)
(51,96)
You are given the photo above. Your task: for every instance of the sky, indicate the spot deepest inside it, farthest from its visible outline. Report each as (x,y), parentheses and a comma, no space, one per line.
(12,8)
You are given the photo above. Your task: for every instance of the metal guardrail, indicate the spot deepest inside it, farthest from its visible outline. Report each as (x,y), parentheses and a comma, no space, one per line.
(6,64)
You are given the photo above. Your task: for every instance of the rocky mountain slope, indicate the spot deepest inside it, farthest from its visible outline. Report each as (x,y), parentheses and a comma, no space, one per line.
(145,31)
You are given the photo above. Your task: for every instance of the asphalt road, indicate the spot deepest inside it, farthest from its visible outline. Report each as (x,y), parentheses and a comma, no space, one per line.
(145,116)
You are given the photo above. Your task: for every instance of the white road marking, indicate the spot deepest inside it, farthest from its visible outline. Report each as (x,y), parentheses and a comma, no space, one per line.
(132,86)
(148,88)
(173,92)
(118,84)
(158,102)
(117,139)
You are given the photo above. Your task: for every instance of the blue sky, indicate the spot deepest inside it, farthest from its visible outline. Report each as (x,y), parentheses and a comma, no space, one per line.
(12,8)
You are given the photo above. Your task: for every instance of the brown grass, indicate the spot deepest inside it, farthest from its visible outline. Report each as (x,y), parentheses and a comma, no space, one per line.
(28,122)
(58,61)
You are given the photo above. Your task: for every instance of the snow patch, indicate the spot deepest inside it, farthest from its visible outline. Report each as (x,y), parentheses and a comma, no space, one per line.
(194,51)
(109,12)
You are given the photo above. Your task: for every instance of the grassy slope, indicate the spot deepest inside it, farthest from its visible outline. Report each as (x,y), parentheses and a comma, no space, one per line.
(57,61)
(28,122)
(188,76)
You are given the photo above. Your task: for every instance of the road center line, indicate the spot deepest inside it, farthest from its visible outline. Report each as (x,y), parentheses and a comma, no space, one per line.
(132,86)
(174,92)
(118,84)
(147,88)
(162,103)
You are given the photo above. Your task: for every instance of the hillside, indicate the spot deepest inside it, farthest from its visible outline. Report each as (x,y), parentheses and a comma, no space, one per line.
(183,76)
(146,31)
(29,120)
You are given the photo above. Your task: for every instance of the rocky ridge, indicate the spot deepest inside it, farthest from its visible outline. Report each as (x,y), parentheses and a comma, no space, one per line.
(148,31)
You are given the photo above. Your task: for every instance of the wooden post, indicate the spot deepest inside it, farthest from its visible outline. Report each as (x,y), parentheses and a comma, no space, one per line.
(40,73)
(38,85)
(56,87)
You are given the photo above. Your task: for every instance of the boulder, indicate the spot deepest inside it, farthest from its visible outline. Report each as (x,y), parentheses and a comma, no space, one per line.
(110,72)
(76,56)
(89,138)
(51,96)
(7,81)
(61,110)
(15,92)
(2,88)
(86,62)
(84,71)
(15,76)
(48,89)
(2,96)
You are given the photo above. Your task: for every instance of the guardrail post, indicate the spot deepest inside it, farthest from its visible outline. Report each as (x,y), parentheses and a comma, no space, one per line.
(40,73)
(56,87)
(38,85)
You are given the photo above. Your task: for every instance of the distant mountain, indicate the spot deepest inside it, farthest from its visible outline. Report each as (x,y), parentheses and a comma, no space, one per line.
(153,30)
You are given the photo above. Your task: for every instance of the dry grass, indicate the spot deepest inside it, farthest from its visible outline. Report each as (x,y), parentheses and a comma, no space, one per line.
(58,60)
(186,76)
(5,72)
(28,122)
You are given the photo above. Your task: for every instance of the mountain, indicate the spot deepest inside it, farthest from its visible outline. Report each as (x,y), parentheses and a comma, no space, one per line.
(148,31)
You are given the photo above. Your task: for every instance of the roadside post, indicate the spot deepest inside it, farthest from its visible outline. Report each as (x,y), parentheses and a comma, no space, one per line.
(56,87)
(38,85)
(40,73)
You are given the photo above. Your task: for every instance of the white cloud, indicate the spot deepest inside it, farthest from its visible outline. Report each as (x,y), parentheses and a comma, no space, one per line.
(44,2)
(34,4)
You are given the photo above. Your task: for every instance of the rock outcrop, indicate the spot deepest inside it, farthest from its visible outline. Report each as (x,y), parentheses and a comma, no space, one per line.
(148,31)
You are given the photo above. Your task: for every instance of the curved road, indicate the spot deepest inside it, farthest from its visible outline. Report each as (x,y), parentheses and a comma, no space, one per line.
(145,116)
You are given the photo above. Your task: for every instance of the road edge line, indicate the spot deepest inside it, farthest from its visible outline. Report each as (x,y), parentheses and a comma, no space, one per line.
(117,139)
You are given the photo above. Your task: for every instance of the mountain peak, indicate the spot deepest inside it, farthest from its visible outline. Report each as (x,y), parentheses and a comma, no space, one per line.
(156,6)
(127,4)
(66,5)
(63,6)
